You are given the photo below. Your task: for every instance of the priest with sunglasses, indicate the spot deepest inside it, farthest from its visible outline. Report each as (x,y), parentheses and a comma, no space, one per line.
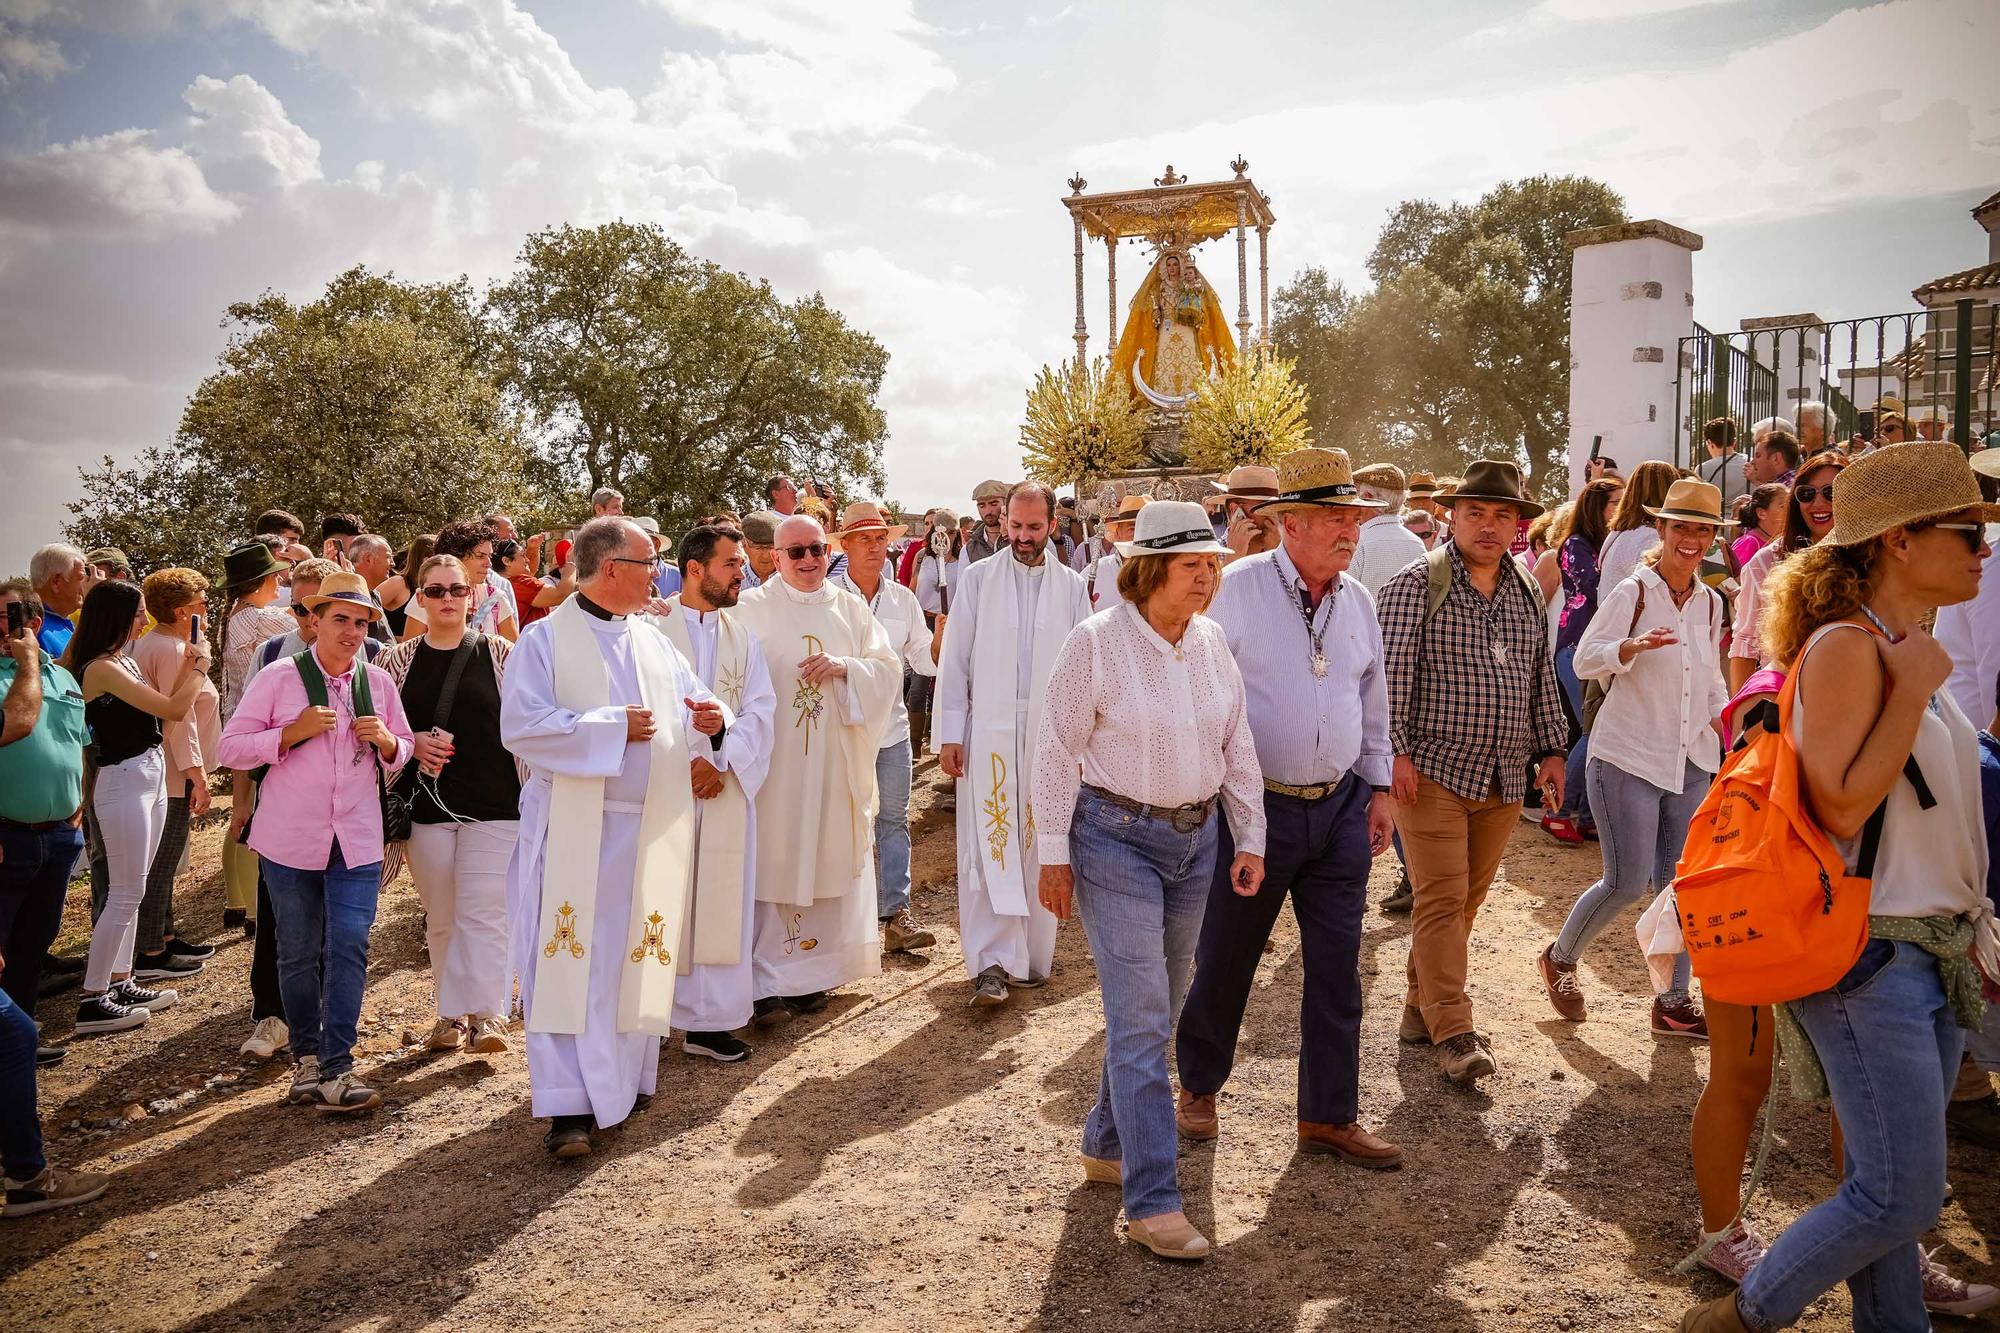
(837,680)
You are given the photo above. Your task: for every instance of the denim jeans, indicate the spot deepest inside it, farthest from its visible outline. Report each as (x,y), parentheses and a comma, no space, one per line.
(1886,1035)
(34,876)
(20,1122)
(892,830)
(1576,792)
(323,921)
(1141,889)
(1642,829)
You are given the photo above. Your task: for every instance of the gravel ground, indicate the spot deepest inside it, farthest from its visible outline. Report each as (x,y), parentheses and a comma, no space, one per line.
(901,1162)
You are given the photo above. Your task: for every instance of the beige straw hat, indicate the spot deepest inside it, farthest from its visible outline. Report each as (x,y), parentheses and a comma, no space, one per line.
(1691,501)
(1911,482)
(1313,479)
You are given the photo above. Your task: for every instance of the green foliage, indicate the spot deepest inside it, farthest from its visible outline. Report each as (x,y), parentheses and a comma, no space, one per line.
(1462,348)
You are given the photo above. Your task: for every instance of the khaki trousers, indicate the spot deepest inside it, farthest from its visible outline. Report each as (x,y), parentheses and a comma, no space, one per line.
(1452,847)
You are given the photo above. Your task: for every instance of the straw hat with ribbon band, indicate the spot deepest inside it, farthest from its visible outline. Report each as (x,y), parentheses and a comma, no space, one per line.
(1690,501)
(1907,484)
(864,516)
(1173,527)
(1422,485)
(1251,482)
(1315,479)
(346,588)
(1494,479)
(249,563)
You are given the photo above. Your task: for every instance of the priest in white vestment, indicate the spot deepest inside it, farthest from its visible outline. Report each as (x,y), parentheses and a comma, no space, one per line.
(605,712)
(1009,620)
(713,998)
(836,680)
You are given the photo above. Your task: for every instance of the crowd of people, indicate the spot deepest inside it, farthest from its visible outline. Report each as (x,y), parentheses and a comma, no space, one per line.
(648,787)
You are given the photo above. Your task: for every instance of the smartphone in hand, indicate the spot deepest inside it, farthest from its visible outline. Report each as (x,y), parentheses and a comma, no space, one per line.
(194,628)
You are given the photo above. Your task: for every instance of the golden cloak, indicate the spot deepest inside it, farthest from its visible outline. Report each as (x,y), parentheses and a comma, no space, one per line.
(1139,344)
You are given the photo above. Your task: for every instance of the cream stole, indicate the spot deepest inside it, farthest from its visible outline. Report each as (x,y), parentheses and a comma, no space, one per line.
(1001,740)
(714,932)
(576,836)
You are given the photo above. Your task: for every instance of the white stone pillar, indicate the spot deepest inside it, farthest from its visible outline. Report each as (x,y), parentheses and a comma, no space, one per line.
(1632,301)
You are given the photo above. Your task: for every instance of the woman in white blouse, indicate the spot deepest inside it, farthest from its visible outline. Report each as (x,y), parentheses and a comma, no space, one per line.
(1656,643)
(1147,699)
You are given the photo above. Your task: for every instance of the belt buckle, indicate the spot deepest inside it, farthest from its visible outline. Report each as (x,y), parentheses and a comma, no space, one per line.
(1187,821)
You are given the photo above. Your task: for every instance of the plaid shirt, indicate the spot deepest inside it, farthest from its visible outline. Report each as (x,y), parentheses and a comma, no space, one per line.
(1485,698)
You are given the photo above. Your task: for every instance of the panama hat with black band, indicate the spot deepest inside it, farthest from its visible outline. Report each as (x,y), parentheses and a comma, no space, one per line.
(1251,482)
(1494,480)
(347,589)
(1172,527)
(1315,479)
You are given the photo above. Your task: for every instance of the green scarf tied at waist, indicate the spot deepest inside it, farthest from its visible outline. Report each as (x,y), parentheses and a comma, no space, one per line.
(1947,938)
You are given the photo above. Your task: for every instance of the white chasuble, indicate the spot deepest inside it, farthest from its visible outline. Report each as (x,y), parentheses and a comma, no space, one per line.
(993,673)
(626,869)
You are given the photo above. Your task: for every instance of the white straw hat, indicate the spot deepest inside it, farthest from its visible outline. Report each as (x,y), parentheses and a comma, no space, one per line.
(1172,527)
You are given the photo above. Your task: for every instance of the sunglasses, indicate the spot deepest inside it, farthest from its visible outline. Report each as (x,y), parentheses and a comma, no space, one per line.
(438,591)
(1973,533)
(1807,494)
(815,550)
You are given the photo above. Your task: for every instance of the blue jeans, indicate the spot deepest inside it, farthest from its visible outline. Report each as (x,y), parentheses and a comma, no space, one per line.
(892,830)
(1886,1035)
(1576,791)
(20,1123)
(34,876)
(1642,829)
(323,921)
(1141,889)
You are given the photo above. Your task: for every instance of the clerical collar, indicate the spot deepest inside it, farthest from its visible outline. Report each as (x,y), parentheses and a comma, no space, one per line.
(700,616)
(823,593)
(594,609)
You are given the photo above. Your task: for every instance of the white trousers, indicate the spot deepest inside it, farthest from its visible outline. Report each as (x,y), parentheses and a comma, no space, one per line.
(461,875)
(129,803)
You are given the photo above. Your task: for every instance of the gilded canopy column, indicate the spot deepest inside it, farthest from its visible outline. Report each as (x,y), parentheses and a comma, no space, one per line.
(1242,273)
(1076,184)
(1111,272)
(1264,283)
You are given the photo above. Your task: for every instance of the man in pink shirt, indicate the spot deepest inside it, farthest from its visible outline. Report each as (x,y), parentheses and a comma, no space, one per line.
(318,829)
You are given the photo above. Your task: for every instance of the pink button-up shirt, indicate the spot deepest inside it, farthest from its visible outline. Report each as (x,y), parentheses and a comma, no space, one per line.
(325,788)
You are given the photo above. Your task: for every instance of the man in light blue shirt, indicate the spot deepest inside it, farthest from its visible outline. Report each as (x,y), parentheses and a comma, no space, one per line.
(1310,649)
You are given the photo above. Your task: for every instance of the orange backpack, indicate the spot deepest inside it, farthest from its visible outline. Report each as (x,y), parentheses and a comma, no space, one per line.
(1768,911)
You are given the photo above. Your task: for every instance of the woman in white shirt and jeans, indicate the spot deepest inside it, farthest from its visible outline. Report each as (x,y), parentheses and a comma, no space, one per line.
(1146,697)
(1656,642)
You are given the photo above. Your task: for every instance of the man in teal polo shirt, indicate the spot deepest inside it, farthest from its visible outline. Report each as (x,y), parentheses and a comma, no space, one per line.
(41,789)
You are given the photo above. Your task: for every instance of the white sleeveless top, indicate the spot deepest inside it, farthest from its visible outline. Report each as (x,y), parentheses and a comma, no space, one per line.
(1932,862)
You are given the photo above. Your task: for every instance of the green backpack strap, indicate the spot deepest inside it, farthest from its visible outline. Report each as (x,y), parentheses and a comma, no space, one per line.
(1437,576)
(310,674)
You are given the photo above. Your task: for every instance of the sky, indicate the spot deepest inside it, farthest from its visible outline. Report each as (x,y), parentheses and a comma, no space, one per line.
(162,158)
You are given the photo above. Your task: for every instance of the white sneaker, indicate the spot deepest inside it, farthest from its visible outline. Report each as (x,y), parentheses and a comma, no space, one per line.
(447,1034)
(131,993)
(266,1039)
(489,1035)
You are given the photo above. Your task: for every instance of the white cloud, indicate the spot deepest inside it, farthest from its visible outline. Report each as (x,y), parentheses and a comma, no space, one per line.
(243,138)
(1576,11)
(958,204)
(23,57)
(112,184)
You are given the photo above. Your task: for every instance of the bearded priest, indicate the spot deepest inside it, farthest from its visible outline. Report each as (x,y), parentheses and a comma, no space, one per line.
(837,679)
(605,713)
(1008,622)
(713,998)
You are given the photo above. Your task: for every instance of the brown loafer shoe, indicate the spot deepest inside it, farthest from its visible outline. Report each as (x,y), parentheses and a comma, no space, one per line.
(1350,1143)
(1196,1115)
(1413,1028)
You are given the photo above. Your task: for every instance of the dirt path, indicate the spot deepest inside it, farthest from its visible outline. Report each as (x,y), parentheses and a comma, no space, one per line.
(901,1162)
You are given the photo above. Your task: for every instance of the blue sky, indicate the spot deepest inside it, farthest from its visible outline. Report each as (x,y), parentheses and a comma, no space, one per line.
(160,158)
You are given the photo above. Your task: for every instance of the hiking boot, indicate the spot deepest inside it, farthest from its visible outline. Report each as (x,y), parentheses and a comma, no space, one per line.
(1196,1115)
(568,1136)
(447,1034)
(489,1035)
(51,1189)
(901,933)
(771,1012)
(1945,1294)
(131,993)
(1976,1121)
(718,1046)
(989,988)
(346,1095)
(1413,1029)
(304,1090)
(107,1013)
(1682,1018)
(164,966)
(1559,979)
(266,1039)
(1463,1059)
(1716,1316)
(1735,1254)
(1402,898)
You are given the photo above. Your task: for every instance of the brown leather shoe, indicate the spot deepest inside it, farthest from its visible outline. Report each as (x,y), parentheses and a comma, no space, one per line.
(1414,1030)
(1351,1143)
(1196,1115)
(1717,1316)
(1560,982)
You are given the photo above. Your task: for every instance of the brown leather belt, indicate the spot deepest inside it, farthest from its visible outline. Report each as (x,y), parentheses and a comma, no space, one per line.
(42,827)
(1184,818)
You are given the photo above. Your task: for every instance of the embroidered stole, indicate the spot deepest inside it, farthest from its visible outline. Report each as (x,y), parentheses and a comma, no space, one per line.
(714,932)
(576,835)
(1001,737)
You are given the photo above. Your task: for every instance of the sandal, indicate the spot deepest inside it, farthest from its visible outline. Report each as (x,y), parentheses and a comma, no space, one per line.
(1563,829)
